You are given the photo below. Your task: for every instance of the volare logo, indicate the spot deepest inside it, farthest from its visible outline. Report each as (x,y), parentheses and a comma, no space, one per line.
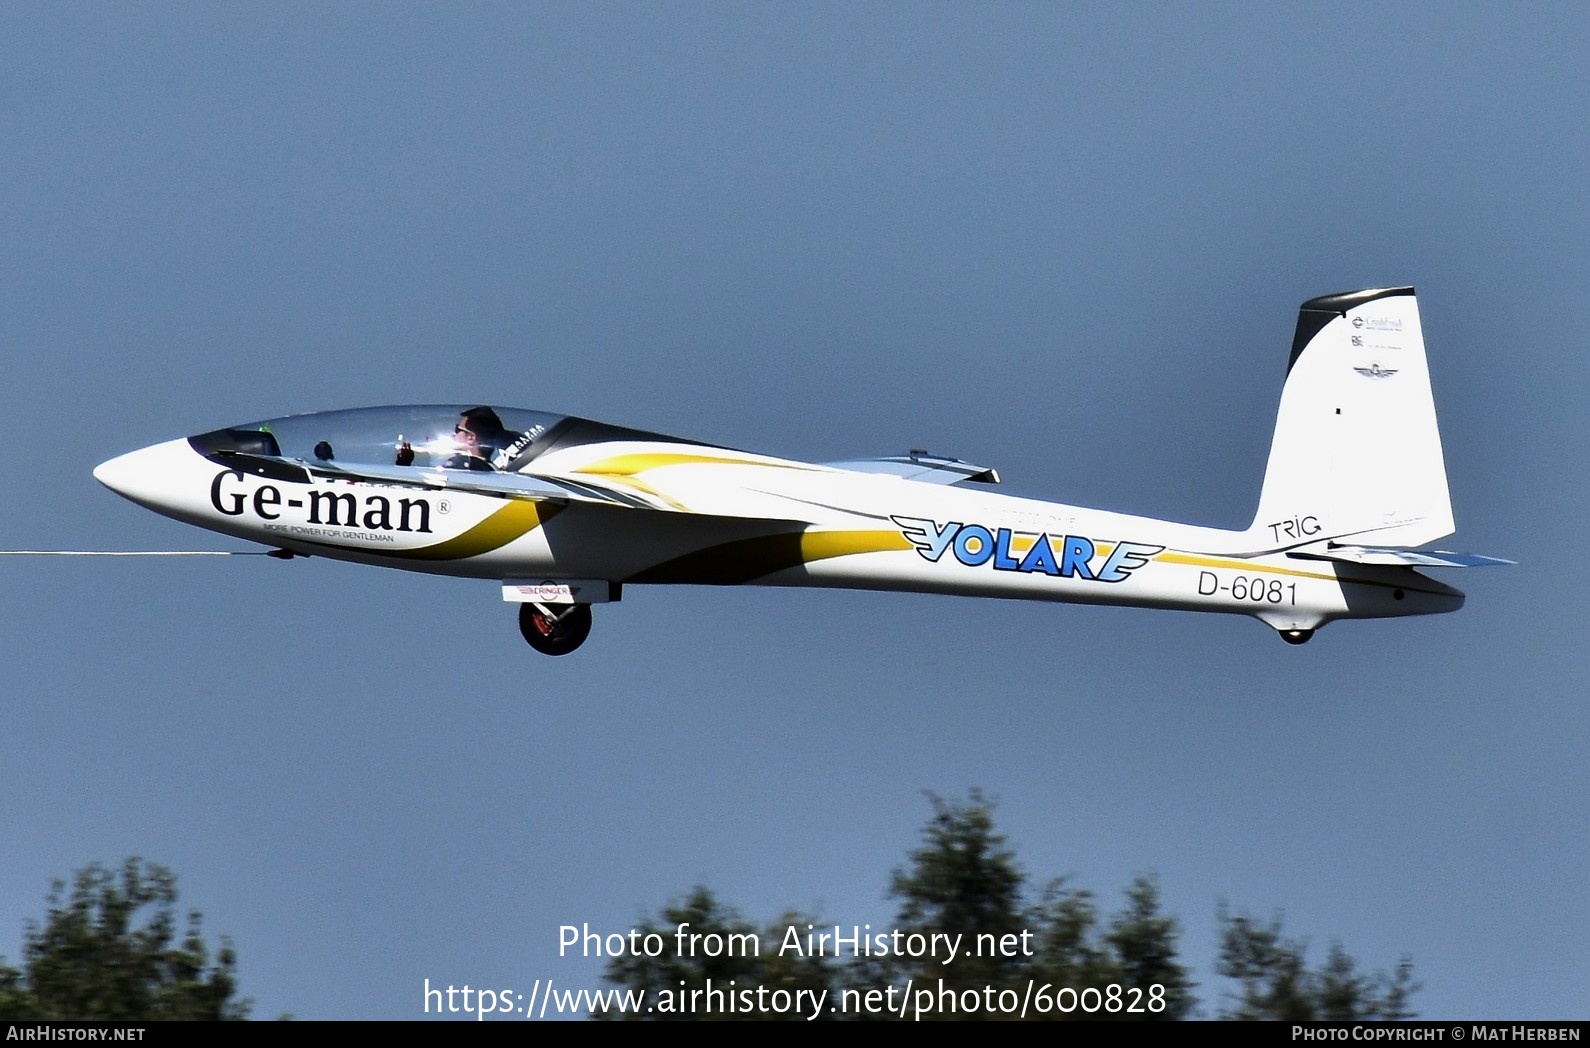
(1062,556)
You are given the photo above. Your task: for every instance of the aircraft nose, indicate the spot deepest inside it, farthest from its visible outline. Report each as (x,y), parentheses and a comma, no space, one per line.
(118,473)
(141,475)
(124,474)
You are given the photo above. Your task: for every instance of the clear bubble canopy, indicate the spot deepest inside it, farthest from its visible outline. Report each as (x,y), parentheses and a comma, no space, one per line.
(455,436)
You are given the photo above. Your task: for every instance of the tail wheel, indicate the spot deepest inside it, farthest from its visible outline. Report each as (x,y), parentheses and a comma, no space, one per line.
(553,630)
(1296,636)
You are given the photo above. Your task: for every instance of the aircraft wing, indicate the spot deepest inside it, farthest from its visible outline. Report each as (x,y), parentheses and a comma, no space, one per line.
(1408,558)
(920,466)
(559,488)
(530,486)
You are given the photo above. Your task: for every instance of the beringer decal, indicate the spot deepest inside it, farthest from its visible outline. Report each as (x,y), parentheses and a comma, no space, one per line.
(1066,557)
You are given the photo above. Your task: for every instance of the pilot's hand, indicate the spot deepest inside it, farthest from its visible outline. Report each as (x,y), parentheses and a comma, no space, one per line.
(405,454)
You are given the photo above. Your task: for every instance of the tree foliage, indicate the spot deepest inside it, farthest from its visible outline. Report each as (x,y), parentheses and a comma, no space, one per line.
(963,876)
(1275,982)
(110,951)
(964,879)
(741,956)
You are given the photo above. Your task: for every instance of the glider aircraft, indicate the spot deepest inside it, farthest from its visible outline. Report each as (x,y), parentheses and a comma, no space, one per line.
(566,512)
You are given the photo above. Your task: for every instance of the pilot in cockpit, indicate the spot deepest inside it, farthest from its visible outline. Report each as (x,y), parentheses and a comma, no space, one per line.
(480,442)
(479,435)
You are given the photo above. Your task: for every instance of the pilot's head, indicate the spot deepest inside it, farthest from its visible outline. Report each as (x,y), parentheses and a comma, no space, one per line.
(476,428)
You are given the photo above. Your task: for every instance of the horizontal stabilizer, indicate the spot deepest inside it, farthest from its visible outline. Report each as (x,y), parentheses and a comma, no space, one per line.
(920,466)
(1408,558)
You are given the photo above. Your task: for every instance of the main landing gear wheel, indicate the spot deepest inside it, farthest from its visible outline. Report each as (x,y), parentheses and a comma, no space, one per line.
(554,630)
(1293,636)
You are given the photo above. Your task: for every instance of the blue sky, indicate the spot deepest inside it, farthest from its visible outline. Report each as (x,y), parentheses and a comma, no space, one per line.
(1068,241)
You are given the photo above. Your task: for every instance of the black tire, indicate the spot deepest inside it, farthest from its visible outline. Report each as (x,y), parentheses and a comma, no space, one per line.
(1290,636)
(555,638)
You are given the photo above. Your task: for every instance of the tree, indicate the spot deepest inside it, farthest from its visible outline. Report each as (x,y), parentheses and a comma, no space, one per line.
(1276,983)
(727,953)
(963,880)
(108,952)
(1068,948)
(1137,951)
(1144,942)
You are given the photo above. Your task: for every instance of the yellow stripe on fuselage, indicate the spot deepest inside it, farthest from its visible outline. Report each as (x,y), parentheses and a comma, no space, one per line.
(640,462)
(515,518)
(1200,561)
(821,545)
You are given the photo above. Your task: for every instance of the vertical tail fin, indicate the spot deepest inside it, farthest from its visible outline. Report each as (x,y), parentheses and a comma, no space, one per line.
(1356,454)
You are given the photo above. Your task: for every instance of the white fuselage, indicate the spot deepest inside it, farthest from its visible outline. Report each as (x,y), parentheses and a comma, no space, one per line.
(566,511)
(717,516)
